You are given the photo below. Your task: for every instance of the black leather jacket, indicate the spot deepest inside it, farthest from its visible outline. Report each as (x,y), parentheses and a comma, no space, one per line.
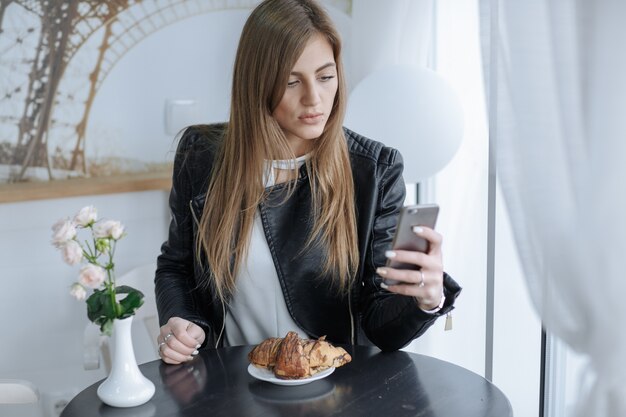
(388,320)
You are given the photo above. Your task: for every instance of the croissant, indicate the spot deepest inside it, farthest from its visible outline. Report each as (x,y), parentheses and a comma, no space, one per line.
(264,354)
(295,358)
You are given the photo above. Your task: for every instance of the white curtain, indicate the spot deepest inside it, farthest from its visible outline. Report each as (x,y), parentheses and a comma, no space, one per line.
(561,158)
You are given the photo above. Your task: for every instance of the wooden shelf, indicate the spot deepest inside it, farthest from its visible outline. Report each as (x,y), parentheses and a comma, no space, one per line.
(11,193)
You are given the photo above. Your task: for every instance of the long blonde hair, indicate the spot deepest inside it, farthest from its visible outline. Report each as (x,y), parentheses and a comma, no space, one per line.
(272,40)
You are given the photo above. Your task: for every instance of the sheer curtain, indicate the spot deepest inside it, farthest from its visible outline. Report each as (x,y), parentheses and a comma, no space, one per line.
(561,157)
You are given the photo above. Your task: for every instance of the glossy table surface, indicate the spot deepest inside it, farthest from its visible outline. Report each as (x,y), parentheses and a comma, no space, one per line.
(397,384)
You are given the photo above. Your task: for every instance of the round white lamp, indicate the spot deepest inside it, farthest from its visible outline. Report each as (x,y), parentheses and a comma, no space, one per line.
(413,110)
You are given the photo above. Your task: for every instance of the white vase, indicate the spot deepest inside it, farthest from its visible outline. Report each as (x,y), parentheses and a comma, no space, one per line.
(126,386)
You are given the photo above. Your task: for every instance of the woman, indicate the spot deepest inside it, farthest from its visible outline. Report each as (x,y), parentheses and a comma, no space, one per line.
(282,219)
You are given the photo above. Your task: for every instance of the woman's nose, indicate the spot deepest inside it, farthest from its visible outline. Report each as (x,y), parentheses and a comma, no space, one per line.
(311,96)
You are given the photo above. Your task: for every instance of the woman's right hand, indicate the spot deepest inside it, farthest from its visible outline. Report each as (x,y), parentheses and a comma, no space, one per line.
(179,340)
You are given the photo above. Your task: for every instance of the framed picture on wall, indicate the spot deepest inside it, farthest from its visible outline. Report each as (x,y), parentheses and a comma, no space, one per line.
(56,139)
(93,95)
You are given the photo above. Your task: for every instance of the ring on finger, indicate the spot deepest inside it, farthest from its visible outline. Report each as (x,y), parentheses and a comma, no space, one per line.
(167,336)
(421,283)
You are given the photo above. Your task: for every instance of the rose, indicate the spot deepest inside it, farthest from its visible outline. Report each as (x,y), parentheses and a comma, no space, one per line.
(86,216)
(78,291)
(108,229)
(92,276)
(63,231)
(108,301)
(72,252)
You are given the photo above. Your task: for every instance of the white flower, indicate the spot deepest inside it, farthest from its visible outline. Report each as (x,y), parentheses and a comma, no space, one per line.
(108,229)
(62,232)
(72,253)
(86,216)
(92,276)
(78,291)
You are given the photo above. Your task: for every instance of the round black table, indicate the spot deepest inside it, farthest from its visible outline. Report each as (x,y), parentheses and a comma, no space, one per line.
(397,384)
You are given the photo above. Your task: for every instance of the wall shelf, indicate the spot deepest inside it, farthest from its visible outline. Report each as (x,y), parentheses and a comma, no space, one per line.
(27,191)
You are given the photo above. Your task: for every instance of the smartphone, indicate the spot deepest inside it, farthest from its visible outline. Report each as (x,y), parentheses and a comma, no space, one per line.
(406,239)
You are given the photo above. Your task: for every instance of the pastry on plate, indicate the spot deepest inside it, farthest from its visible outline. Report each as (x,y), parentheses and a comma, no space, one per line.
(294,358)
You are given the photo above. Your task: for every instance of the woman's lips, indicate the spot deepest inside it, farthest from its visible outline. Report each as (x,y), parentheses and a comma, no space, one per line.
(312,118)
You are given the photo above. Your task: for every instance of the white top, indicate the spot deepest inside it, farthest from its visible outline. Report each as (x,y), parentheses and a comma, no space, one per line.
(257,309)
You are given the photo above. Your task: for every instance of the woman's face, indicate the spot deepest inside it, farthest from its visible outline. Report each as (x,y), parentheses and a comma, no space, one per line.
(306,105)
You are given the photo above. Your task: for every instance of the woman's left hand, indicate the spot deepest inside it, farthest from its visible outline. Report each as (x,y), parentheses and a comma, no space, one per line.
(426,284)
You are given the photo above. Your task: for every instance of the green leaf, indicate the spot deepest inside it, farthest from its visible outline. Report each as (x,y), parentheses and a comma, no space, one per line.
(125,289)
(101,311)
(107,327)
(131,302)
(109,309)
(94,305)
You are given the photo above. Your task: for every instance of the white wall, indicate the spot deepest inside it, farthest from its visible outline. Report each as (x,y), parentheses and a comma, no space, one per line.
(42,325)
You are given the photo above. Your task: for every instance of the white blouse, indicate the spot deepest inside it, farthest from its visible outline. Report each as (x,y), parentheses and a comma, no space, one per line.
(257,309)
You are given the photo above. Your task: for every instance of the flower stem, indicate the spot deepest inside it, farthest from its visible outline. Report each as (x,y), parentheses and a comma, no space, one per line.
(111,289)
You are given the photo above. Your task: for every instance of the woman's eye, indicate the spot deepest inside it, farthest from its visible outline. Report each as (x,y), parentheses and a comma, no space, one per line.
(292,83)
(327,77)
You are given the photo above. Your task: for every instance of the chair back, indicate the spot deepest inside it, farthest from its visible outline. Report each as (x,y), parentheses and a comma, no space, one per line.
(144,335)
(19,398)
(16,391)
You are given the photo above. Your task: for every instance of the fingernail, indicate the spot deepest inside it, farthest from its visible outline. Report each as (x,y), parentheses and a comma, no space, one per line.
(383,285)
(381,271)
(198,346)
(390,254)
(417,229)
(189,358)
(194,353)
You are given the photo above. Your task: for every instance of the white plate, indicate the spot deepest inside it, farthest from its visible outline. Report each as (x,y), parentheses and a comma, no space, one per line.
(267,375)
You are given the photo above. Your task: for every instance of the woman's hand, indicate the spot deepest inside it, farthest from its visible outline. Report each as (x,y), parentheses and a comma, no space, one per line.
(179,340)
(426,285)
